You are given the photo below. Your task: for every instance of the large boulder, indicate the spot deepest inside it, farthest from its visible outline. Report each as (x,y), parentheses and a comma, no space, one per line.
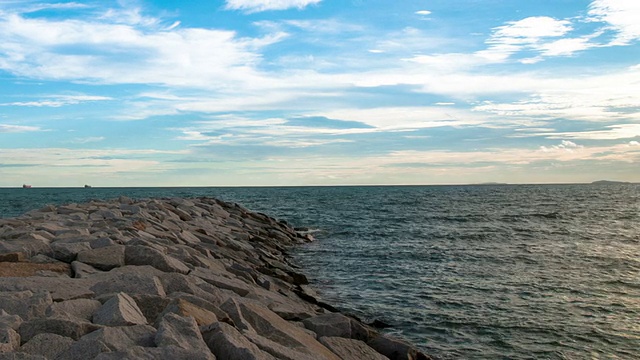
(339,325)
(151,353)
(60,288)
(226,342)
(183,332)
(181,307)
(396,349)
(144,255)
(351,349)
(9,339)
(67,251)
(103,258)
(132,280)
(25,304)
(47,344)
(120,310)
(238,286)
(120,338)
(268,325)
(79,308)
(10,320)
(63,326)
(83,349)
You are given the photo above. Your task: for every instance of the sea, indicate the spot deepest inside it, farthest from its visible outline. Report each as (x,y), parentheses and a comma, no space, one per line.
(463,272)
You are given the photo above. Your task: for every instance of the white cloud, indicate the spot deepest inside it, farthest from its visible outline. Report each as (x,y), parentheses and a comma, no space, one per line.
(47,6)
(621,16)
(530,30)
(238,131)
(58,101)
(100,161)
(518,35)
(4,128)
(95,50)
(405,118)
(129,16)
(597,98)
(634,143)
(252,6)
(565,47)
(88,140)
(423,12)
(564,152)
(565,145)
(613,132)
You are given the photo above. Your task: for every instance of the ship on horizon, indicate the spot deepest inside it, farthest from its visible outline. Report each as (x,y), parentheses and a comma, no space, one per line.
(25,186)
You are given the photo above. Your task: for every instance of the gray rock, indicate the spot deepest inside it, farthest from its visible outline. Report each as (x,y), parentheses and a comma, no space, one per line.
(130,282)
(396,349)
(71,234)
(238,286)
(232,308)
(51,227)
(44,259)
(25,304)
(9,320)
(59,288)
(106,214)
(9,339)
(151,306)
(284,303)
(212,306)
(79,308)
(351,349)
(165,352)
(121,310)
(331,325)
(121,338)
(188,237)
(29,244)
(184,308)
(20,356)
(104,258)
(280,351)
(67,252)
(82,270)
(183,332)
(143,255)
(101,242)
(69,327)
(83,350)
(47,344)
(272,327)
(226,342)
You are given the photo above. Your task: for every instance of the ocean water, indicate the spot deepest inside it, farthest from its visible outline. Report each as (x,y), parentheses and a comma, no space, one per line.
(473,272)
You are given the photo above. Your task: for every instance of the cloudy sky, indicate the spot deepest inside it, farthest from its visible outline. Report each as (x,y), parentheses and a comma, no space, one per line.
(318,92)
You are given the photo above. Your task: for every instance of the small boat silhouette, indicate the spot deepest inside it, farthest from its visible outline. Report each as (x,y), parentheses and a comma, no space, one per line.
(25,186)
(87,186)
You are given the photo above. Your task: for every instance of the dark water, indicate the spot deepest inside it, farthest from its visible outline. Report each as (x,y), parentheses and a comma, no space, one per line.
(498,272)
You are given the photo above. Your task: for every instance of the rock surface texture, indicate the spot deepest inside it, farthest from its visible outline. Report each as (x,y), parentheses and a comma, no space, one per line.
(167,279)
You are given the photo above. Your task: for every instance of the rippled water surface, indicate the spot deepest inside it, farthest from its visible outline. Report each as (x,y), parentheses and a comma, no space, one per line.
(518,272)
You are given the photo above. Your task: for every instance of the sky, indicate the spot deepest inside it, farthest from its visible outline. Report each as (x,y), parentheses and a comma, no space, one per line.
(318,92)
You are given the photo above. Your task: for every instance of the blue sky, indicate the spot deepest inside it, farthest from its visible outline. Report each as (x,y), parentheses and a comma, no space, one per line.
(318,92)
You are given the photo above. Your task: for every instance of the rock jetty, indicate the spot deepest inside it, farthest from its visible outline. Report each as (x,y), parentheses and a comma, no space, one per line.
(167,279)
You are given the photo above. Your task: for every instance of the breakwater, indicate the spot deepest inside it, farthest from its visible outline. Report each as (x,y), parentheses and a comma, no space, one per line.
(167,278)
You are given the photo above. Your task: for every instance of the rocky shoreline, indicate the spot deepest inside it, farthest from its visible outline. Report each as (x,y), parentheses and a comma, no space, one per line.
(167,279)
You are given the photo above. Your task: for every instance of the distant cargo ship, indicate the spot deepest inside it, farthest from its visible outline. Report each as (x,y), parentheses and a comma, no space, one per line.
(87,186)
(25,186)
